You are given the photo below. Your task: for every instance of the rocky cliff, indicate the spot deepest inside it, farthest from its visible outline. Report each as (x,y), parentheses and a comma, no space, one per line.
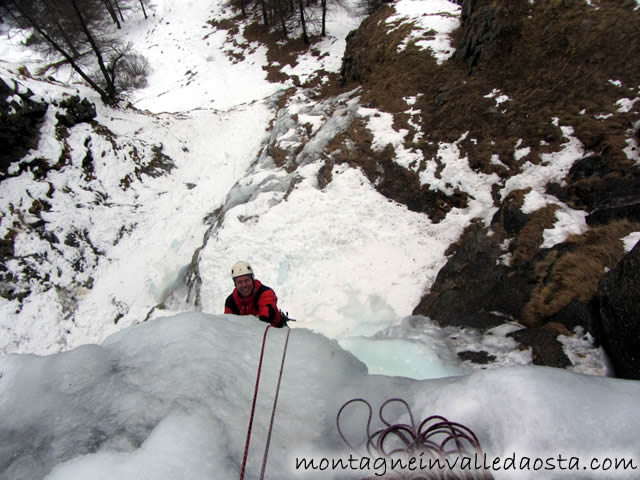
(528,81)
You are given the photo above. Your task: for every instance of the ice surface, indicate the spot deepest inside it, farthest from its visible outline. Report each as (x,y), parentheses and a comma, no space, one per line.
(346,274)
(399,357)
(170,398)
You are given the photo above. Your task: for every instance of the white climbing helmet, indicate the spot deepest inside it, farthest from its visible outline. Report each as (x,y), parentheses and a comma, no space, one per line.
(240,269)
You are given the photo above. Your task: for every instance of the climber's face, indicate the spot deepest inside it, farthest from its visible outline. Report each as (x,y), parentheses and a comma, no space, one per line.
(244,284)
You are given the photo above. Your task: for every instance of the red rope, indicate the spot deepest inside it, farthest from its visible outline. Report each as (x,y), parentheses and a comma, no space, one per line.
(275,404)
(253,407)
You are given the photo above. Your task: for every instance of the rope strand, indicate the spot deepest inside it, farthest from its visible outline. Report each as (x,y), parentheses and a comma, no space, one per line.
(253,406)
(275,404)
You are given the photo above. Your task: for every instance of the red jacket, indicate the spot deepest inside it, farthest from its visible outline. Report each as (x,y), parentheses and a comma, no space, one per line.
(262,303)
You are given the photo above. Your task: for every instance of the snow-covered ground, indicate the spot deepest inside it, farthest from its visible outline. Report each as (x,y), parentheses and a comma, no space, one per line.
(169,398)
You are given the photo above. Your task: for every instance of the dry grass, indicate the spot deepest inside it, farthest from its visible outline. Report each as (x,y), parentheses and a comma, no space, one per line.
(556,61)
(573,273)
(530,238)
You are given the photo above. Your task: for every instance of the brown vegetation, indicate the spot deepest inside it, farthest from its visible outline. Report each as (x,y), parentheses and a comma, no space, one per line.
(560,57)
(573,273)
(530,238)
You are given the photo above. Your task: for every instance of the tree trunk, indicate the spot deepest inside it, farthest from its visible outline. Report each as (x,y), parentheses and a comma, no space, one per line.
(144,11)
(324,17)
(55,13)
(281,13)
(68,41)
(265,17)
(114,63)
(303,22)
(111,89)
(119,11)
(112,12)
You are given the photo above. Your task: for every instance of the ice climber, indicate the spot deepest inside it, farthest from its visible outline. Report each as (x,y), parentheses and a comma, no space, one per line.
(251,297)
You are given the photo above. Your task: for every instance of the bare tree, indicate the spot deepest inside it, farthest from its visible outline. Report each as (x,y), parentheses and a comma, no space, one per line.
(265,16)
(119,9)
(77,31)
(31,18)
(283,5)
(144,11)
(108,77)
(112,12)
(303,22)
(307,16)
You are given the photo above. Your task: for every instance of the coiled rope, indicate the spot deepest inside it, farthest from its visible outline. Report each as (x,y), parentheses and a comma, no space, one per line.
(436,436)
(253,406)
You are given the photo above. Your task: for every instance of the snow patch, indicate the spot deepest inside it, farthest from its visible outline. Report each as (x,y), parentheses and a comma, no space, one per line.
(569,222)
(381,126)
(553,166)
(632,150)
(432,23)
(630,241)
(585,358)
(498,96)
(626,104)
(520,153)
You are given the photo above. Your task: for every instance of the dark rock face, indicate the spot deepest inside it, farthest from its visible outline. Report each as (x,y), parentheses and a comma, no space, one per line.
(480,34)
(546,349)
(468,6)
(20,120)
(481,357)
(512,217)
(618,209)
(350,70)
(619,300)
(608,191)
(488,30)
(472,289)
(589,167)
(76,111)
(580,314)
